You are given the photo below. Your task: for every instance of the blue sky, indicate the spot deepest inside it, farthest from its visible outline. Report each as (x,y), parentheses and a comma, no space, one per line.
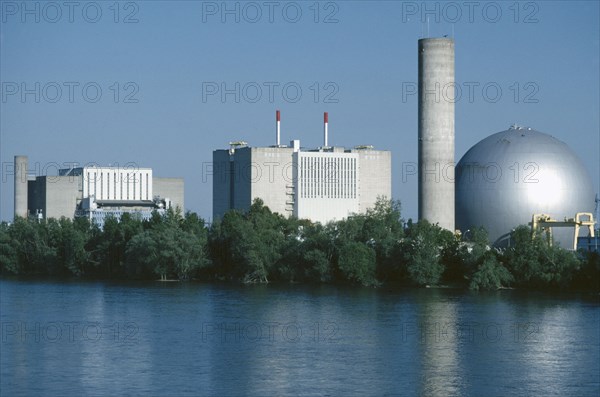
(355,59)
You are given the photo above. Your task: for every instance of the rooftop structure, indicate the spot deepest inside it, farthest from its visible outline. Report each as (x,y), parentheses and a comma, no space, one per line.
(322,184)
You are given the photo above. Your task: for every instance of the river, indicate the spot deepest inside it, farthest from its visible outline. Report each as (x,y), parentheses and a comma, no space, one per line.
(176,339)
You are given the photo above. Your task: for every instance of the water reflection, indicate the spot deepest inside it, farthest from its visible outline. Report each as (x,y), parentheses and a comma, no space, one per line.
(438,335)
(198,339)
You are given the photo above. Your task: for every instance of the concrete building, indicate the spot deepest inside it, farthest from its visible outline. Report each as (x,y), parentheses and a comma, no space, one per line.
(436,131)
(94,192)
(323,184)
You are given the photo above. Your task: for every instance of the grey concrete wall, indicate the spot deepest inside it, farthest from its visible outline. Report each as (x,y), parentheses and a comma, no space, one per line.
(62,194)
(172,188)
(272,178)
(222,188)
(263,172)
(436,131)
(21,164)
(375,177)
(242,177)
(36,195)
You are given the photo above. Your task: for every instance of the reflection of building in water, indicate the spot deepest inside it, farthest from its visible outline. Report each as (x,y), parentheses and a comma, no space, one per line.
(321,184)
(94,192)
(439,336)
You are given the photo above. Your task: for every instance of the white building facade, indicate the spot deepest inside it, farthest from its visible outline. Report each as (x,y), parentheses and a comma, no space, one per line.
(109,183)
(322,185)
(98,192)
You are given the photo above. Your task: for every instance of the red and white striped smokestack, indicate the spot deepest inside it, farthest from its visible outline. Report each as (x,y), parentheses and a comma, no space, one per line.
(278,128)
(325,123)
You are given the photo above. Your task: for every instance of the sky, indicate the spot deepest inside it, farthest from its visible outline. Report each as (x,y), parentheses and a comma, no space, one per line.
(162,84)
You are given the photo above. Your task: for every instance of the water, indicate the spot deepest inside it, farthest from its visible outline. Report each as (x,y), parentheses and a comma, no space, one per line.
(177,339)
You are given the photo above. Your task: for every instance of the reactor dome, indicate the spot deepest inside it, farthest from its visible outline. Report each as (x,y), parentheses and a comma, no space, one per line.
(509,176)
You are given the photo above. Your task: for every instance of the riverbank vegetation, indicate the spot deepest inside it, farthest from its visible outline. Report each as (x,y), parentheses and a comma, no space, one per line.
(259,246)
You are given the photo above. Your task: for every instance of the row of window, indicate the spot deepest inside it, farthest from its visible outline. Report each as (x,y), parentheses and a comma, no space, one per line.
(321,177)
(129,186)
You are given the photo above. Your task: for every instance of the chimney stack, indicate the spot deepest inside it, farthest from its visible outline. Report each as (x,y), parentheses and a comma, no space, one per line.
(325,123)
(278,128)
(21,170)
(436,132)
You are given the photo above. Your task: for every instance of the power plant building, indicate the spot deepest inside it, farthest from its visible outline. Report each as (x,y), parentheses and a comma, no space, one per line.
(94,192)
(324,184)
(508,177)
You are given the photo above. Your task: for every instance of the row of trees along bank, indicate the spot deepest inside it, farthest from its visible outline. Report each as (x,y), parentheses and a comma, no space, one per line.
(260,246)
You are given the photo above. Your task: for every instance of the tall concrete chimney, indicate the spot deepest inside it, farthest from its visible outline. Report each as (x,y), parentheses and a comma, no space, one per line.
(436,131)
(21,165)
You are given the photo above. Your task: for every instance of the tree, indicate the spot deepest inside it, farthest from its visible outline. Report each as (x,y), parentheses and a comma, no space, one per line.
(490,274)
(248,246)
(422,250)
(171,247)
(71,246)
(477,263)
(522,257)
(587,277)
(357,263)
(142,256)
(109,245)
(36,255)
(536,264)
(8,251)
(383,230)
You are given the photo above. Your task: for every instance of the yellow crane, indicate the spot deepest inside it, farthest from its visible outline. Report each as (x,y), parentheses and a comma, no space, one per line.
(544,223)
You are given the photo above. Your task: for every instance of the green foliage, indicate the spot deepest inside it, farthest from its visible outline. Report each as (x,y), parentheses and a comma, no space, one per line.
(423,250)
(142,256)
(587,277)
(166,246)
(357,263)
(34,248)
(247,246)
(317,265)
(309,253)
(8,251)
(71,246)
(171,247)
(490,274)
(523,257)
(108,247)
(478,263)
(259,246)
(535,263)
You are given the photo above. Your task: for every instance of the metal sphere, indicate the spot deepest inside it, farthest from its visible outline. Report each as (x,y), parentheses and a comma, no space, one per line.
(509,176)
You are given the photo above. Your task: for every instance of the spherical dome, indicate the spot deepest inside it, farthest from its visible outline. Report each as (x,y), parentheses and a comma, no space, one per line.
(509,176)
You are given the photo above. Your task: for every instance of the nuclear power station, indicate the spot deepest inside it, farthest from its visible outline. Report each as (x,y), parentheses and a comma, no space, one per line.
(93,192)
(321,184)
(504,181)
(514,177)
(509,179)
(436,131)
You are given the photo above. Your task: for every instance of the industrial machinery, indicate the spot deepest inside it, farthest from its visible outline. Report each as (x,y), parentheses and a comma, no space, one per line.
(543,223)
